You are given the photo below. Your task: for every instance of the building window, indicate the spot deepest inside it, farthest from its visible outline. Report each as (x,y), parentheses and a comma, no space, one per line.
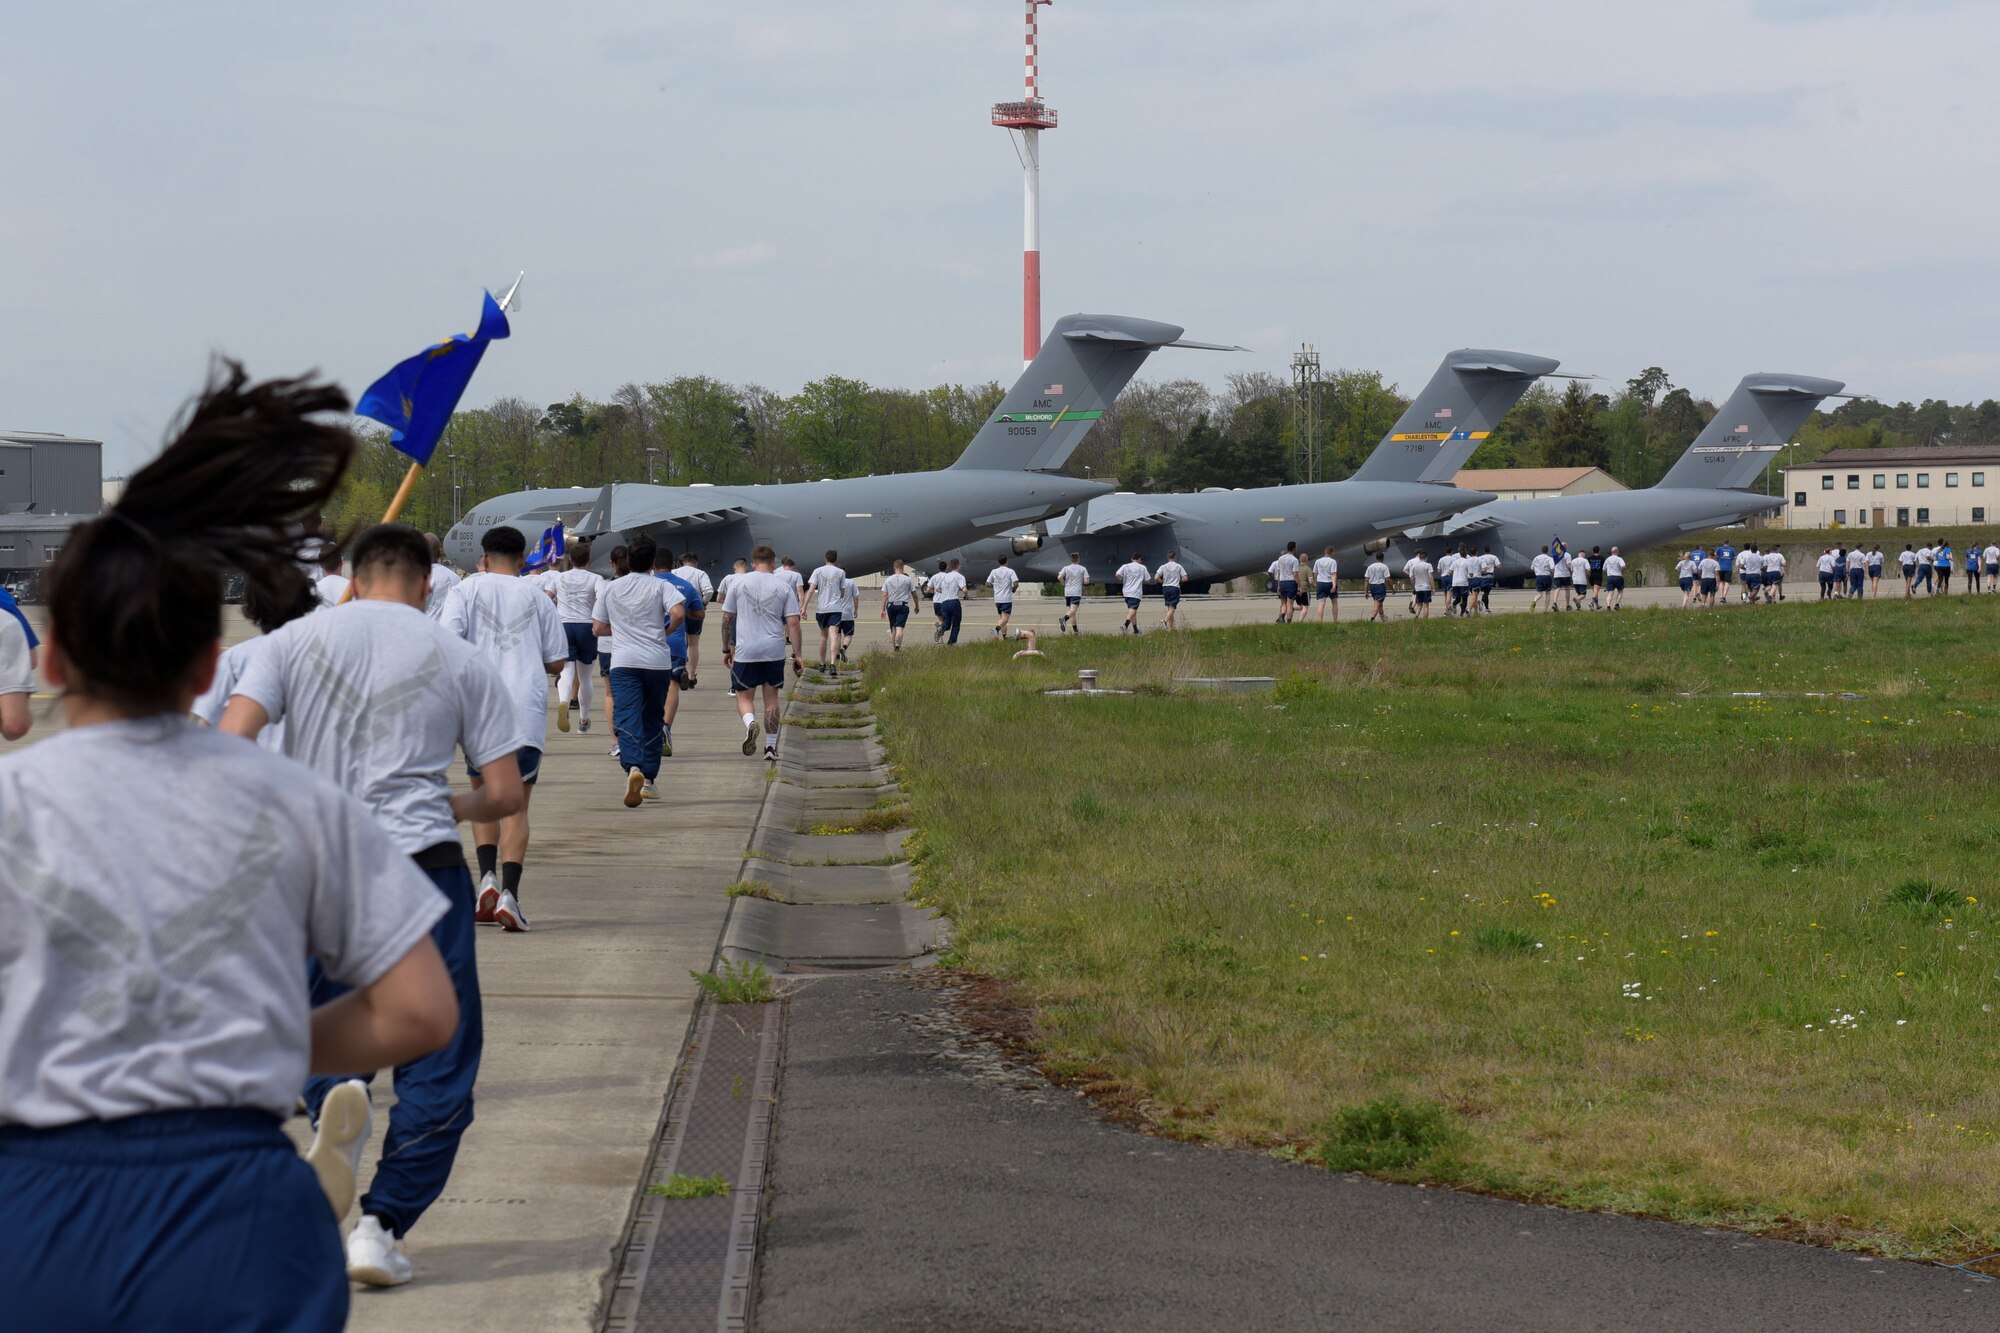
(1951,479)
(1881,481)
(1978,514)
(1826,482)
(1902,518)
(1798,497)
(1979,479)
(1923,516)
(1923,481)
(1854,481)
(1840,516)
(1902,481)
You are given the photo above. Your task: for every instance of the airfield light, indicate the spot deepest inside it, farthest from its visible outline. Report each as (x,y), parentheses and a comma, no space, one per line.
(1029,117)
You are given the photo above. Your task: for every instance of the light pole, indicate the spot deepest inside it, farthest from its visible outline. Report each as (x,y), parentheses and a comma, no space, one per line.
(652,457)
(456,490)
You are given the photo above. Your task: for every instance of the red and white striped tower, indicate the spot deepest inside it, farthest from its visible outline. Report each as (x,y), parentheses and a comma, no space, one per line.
(1030,116)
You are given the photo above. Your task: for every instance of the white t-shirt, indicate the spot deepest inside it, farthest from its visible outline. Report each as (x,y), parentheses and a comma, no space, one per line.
(699,578)
(1447,564)
(331,588)
(831,581)
(1685,569)
(1711,567)
(1908,559)
(1489,564)
(1826,562)
(516,626)
(1004,581)
(1992,554)
(228,670)
(1579,571)
(1857,560)
(1749,562)
(1461,572)
(1073,577)
(761,604)
(377,697)
(1287,566)
(1326,569)
(17,675)
(1926,556)
(1542,566)
(897,589)
(636,608)
(1418,572)
(1614,566)
(576,595)
(159,969)
(1377,572)
(797,583)
(849,591)
(1134,575)
(1170,574)
(948,586)
(443,579)
(1562,567)
(1774,562)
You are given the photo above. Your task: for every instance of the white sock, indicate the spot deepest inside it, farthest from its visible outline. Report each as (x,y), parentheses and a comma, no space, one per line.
(749,722)
(564,681)
(582,693)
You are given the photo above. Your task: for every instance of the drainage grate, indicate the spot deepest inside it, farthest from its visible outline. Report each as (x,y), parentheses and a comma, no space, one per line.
(690,1263)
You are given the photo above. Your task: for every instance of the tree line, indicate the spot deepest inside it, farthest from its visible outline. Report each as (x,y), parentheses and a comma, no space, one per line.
(1160,435)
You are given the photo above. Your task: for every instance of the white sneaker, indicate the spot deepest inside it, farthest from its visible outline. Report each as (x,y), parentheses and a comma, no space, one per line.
(648,793)
(562,715)
(375,1257)
(345,1119)
(489,897)
(771,752)
(510,916)
(750,734)
(635,782)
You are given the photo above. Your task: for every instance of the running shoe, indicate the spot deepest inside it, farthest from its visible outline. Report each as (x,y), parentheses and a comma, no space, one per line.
(512,919)
(562,716)
(771,752)
(335,1156)
(667,743)
(648,793)
(635,781)
(583,725)
(376,1258)
(937,635)
(489,897)
(613,751)
(749,740)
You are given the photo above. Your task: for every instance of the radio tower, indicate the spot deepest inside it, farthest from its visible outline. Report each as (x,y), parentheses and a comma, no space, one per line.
(1030,116)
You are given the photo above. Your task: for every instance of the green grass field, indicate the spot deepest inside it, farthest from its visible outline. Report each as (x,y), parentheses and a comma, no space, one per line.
(1615,938)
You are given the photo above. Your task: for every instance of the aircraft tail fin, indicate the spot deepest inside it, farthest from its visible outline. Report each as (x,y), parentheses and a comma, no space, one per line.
(1759,419)
(1457,410)
(1085,363)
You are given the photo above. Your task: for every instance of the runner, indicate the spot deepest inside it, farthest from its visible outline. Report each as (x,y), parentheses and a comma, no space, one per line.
(1774,576)
(1614,580)
(515,626)
(1685,571)
(1944,563)
(1725,565)
(789,572)
(691,573)
(1992,561)
(1447,565)
(1326,584)
(1170,576)
(269,619)
(1971,566)
(1711,578)
(1286,568)
(679,677)
(947,589)
(1908,561)
(830,582)
(1419,571)
(1073,577)
(1543,567)
(1460,581)
(1857,572)
(155,1028)
(1579,580)
(1003,582)
(378,697)
(850,597)
(1377,578)
(332,584)
(1926,566)
(1875,563)
(899,591)
(636,613)
(575,592)
(443,577)
(760,619)
(1750,564)
(1828,569)
(621,565)
(1562,572)
(1133,575)
(1489,578)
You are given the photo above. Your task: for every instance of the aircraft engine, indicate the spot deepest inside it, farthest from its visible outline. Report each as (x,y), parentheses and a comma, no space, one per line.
(1028,544)
(1376,547)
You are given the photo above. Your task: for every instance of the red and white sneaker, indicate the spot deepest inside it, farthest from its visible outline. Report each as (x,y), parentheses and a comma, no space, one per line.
(489,899)
(510,916)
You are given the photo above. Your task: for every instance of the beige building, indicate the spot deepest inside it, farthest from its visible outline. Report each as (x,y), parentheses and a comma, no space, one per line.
(1532,483)
(1895,488)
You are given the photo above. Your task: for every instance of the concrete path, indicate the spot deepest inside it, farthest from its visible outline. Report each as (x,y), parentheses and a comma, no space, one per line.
(918,1182)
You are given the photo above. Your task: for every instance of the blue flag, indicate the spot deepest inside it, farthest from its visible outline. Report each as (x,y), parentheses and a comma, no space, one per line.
(1557,549)
(9,606)
(550,549)
(416,398)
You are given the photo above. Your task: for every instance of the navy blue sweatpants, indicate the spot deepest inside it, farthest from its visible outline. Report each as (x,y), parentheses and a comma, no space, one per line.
(174,1219)
(433,1092)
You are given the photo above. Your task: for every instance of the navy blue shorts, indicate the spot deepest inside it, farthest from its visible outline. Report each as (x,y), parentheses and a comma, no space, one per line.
(604,665)
(1172,596)
(1379,591)
(1615,582)
(1071,601)
(170,1219)
(747,676)
(829,619)
(1708,585)
(1855,578)
(693,625)
(1423,596)
(1288,588)
(582,643)
(847,628)
(1132,602)
(1687,585)
(527,757)
(1324,591)
(1003,608)
(899,615)
(1728,575)
(1544,582)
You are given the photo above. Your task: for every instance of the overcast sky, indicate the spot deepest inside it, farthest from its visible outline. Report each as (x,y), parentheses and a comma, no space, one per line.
(775,190)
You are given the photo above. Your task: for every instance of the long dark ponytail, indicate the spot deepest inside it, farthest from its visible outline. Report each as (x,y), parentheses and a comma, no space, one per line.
(136,593)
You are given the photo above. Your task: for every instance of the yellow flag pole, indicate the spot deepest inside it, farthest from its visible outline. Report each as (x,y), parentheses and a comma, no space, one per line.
(394,512)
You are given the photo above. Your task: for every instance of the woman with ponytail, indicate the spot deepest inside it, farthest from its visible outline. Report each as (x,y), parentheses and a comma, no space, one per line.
(163,884)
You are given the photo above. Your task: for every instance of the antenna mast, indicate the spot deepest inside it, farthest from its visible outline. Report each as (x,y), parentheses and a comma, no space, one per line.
(1305,411)
(1030,117)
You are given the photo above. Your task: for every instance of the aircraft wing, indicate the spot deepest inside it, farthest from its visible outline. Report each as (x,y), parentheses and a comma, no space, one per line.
(661,509)
(1453,527)
(1109,515)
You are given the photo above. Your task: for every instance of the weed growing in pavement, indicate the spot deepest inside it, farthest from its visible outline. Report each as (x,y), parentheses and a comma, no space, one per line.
(750,888)
(679,1186)
(737,983)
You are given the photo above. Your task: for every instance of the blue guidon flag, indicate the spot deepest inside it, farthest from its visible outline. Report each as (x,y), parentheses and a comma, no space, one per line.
(416,398)
(548,550)
(1556,548)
